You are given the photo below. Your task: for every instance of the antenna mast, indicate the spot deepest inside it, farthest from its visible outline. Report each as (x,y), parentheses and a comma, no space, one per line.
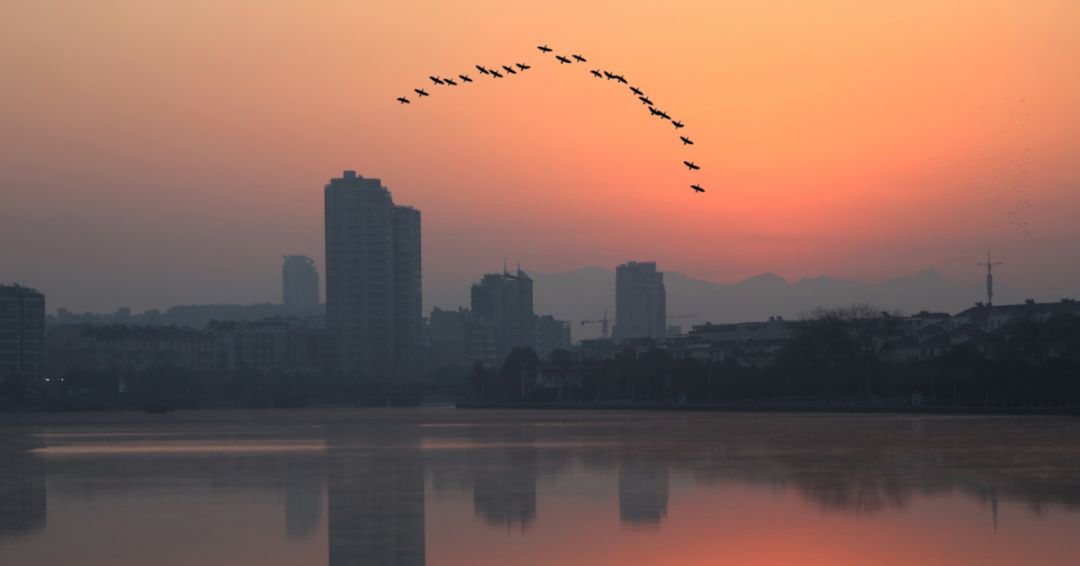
(989,278)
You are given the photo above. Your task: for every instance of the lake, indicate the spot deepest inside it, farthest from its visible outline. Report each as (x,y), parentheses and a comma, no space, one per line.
(443,486)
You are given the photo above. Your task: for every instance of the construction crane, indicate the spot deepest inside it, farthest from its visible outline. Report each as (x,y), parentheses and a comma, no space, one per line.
(604,323)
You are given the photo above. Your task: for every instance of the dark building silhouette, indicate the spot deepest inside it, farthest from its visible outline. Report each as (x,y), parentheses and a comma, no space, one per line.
(460,338)
(506,301)
(640,301)
(408,292)
(373,279)
(22,332)
(299,284)
(551,334)
(286,347)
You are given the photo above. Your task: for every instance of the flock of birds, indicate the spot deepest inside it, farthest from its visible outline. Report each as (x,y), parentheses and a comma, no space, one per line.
(505,70)
(1010,169)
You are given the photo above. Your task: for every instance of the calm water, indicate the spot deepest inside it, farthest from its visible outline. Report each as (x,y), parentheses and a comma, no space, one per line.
(443,486)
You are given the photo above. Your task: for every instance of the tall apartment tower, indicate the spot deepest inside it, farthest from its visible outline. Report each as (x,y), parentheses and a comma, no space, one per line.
(373,290)
(408,295)
(640,301)
(507,301)
(299,283)
(22,332)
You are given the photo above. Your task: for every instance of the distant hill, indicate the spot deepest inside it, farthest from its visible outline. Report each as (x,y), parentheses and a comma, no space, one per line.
(585,293)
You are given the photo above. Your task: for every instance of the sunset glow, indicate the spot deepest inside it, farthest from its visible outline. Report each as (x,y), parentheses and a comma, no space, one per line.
(854,139)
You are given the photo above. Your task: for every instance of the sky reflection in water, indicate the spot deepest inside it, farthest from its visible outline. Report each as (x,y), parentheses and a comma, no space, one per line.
(441,486)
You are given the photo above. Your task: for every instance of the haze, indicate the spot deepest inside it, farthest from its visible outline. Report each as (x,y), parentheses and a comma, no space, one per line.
(158,153)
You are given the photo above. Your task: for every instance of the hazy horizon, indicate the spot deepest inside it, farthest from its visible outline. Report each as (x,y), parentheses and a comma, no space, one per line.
(457,295)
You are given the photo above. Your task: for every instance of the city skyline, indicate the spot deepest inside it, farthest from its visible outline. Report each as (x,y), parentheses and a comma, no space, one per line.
(178,171)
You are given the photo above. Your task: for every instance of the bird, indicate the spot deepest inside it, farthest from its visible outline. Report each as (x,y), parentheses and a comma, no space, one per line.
(544,48)
(697,188)
(690,165)
(597,74)
(677,124)
(450,82)
(465,78)
(509,70)
(403,100)
(609,75)
(496,74)
(636,91)
(579,58)
(482,70)
(686,140)
(436,80)
(421,92)
(653,111)
(663,115)
(620,78)
(523,66)
(645,100)
(562,60)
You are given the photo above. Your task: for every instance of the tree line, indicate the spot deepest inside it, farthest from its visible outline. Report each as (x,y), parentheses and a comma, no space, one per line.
(835,356)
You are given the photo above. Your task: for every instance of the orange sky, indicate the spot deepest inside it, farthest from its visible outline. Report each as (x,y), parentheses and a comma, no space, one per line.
(154,153)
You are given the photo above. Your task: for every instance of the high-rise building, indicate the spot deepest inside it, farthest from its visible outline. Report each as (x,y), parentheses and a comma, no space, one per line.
(408,307)
(299,284)
(507,301)
(22,332)
(373,291)
(640,301)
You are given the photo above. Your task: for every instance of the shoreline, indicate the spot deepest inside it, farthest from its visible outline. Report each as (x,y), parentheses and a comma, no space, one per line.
(782,408)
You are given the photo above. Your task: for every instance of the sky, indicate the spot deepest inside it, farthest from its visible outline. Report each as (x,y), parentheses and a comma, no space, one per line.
(170,152)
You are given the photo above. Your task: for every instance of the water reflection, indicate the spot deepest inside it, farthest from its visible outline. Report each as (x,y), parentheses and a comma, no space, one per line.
(22,490)
(383,487)
(376,497)
(643,492)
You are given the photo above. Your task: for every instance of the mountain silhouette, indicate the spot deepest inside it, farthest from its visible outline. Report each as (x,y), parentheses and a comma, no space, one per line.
(583,294)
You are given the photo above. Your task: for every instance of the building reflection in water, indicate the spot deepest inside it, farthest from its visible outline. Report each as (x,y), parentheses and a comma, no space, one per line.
(373,473)
(375,497)
(504,490)
(643,492)
(23,496)
(303,503)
